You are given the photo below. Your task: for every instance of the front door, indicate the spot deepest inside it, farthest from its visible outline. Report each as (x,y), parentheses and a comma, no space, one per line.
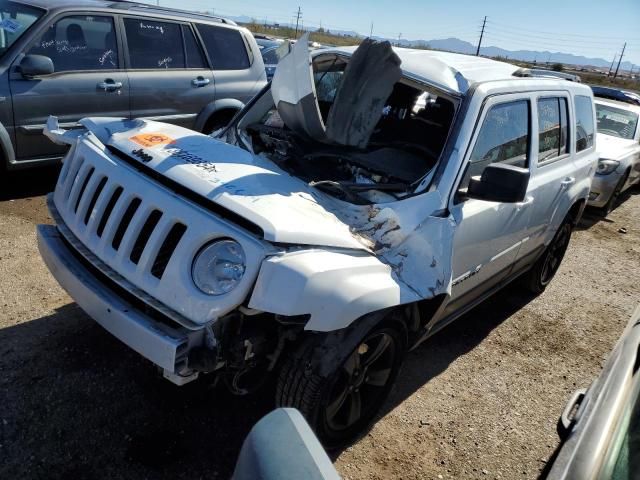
(87,81)
(170,79)
(489,234)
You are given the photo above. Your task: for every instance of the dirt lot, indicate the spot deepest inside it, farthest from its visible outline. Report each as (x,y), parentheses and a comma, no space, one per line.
(479,400)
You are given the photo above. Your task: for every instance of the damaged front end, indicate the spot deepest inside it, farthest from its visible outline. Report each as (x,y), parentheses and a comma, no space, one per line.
(327,201)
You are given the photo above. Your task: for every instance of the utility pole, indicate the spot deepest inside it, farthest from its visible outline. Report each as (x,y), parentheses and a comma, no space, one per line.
(298,15)
(371,31)
(620,60)
(484,22)
(615,55)
(399,37)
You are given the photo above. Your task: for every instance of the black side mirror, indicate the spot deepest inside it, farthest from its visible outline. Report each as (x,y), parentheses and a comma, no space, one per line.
(35,66)
(500,183)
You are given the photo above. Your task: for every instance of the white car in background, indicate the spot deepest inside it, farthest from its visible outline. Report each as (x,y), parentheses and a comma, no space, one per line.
(619,149)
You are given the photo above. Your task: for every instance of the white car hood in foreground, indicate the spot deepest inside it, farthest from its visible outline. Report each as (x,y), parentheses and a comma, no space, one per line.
(614,148)
(283,206)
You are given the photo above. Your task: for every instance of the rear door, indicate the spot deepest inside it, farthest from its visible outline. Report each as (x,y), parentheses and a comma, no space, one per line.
(170,78)
(564,154)
(231,59)
(489,234)
(88,80)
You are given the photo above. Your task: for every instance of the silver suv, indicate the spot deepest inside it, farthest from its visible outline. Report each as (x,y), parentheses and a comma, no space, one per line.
(363,201)
(122,59)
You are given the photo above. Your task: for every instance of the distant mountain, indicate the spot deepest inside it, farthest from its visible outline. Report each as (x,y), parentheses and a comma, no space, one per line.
(460,46)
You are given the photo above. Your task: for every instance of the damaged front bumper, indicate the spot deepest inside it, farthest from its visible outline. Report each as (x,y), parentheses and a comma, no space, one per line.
(159,341)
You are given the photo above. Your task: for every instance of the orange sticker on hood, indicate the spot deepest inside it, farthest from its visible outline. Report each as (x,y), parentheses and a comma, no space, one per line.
(152,139)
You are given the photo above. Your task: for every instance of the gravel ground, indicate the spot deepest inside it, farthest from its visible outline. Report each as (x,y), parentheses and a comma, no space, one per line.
(478,400)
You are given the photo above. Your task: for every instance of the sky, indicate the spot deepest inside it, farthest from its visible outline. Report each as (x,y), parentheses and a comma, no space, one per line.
(593,28)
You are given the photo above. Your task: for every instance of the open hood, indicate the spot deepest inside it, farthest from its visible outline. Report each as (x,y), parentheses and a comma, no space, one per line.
(366,83)
(284,207)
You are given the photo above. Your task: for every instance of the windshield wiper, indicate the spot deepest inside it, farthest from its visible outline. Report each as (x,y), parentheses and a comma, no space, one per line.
(341,187)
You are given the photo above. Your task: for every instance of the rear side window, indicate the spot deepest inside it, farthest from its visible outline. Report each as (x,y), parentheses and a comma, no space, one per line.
(154,45)
(79,42)
(584,122)
(227,50)
(552,128)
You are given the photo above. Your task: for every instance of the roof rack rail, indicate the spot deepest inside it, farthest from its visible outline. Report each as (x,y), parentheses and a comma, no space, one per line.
(541,73)
(131,5)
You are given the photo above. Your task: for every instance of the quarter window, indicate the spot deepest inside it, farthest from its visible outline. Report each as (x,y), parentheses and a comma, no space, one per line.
(503,138)
(584,122)
(552,128)
(227,50)
(154,45)
(79,42)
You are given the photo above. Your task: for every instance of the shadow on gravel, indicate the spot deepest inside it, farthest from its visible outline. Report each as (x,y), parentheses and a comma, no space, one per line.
(79,404)
(76,403)
(434,355)
(28,183)
(592,216)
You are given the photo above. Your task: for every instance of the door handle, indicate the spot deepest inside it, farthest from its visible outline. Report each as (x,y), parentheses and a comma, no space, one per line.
(567,182)
(200,82)
(109,85)
(526,202)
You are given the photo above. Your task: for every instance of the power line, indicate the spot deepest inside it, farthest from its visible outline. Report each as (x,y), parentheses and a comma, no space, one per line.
(484,22)
(298,15)
(620,60)
(520,29)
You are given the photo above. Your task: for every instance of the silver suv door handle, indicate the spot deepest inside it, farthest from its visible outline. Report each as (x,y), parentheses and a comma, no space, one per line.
(567,182)
(109,85)
(200,82)
(527,201)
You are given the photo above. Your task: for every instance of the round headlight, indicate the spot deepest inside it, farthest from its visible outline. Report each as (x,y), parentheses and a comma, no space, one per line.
(218,267)
(605,167)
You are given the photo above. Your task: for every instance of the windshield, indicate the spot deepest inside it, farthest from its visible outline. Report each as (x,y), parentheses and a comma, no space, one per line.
(269,56)
(616,121)
(408,132)
(15,19)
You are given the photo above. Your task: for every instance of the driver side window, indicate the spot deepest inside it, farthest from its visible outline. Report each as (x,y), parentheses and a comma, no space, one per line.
(79,43)
(503,138)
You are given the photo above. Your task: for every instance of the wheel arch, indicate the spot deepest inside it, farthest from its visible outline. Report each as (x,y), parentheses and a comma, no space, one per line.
(215,108)
(6,149)
(576,210)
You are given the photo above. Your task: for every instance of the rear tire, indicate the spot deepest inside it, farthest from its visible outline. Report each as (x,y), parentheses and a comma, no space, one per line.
(545,268)
(218,120)
(340,392)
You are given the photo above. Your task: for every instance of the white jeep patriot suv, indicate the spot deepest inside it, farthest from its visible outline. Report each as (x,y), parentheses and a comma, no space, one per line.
(362,201)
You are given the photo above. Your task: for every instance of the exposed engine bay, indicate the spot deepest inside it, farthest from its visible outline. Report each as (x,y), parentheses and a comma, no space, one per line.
(375,137)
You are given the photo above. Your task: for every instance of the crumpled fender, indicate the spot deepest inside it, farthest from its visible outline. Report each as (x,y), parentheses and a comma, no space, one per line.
(336,287)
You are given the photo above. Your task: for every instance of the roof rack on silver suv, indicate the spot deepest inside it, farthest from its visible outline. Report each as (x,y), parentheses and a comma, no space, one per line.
(542,73)
(126,4)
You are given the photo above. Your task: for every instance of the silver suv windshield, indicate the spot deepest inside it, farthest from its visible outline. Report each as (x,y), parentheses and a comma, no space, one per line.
(616,122)
(15,19)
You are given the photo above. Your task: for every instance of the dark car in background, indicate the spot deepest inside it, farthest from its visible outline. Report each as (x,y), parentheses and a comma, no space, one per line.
(81,58)
(616,94)
(272,50)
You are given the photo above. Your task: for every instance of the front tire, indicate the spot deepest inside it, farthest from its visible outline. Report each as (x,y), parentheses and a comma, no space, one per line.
(611,203)
(341,392)
(545,268)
